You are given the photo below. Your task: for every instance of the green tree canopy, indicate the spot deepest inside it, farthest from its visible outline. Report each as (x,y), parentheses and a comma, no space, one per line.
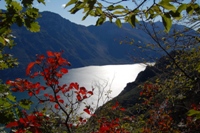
(148,10)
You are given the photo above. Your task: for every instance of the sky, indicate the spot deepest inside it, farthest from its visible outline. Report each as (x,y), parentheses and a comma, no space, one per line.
(57,6)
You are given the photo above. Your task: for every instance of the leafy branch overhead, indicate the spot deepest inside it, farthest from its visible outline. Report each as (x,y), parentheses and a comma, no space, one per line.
(165,9)
(21,13)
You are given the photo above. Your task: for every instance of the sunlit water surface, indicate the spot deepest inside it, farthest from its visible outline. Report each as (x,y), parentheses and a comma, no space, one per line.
(107,81)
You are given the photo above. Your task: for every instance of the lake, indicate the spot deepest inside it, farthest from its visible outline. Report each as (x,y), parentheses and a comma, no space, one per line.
(107,81)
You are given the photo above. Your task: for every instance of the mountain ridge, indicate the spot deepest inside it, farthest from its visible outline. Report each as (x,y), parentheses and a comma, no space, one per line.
(82,46)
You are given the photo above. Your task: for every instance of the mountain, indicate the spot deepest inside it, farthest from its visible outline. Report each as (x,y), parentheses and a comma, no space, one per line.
(82,46)
(158,91)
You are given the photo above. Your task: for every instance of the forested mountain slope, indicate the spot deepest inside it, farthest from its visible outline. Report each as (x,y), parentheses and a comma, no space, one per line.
(82,46)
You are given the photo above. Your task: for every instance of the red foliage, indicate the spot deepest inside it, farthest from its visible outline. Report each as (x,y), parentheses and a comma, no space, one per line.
(115,106)
(87,111)
(56,106)
(110,126)
(29,67)
(53,68)
(31,122)
(22,85)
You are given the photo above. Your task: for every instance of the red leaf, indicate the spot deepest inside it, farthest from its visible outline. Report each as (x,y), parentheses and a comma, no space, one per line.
(61,101)
(12,124)
(37,85)
(30,93)
(90,92)
(41,57)
(64,70)
(59,75)
(115,106)
(51,98)
(56,106)
(58,96)
(78,97)
(14,89)
(42,87)
(9,82)
(84,97)
(35,74)
(74,85)
(50,53)
(70,125)
(80,119)
(122,109)
(87,111)
(57,54)
(83,90)
(104,128)
(57,90)
(37,91)
(46,95)
(28,69)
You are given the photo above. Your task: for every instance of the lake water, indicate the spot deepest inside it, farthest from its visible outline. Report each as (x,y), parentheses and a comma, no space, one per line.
(109,77)
(107,81)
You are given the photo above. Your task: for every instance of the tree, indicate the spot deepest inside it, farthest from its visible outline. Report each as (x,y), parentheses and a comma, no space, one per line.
(63,101)
(166,9)
(168,102)
(22,14)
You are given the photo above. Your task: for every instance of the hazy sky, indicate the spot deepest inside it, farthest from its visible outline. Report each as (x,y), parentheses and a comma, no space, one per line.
(57,7)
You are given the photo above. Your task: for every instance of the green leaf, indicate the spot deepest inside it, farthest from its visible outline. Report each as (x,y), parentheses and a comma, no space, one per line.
(117,12)
(16,6)
(91,4)
(8,1)
(84,17)
(110,8)
(32,12)
(71,2)
(181,8)
(118,23)
(166,4)
(167,22)
(34,27)
(198,67)
(175,15)
(132,20)
(2,30)
(98,11)
(11,98)
(193,112)
(41,1)
(5,103)
(156,9)
(119,7)
(76,8)
(26,104)
(2,41)
(100,20)
(19,21)
(152,16)
(189,10)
